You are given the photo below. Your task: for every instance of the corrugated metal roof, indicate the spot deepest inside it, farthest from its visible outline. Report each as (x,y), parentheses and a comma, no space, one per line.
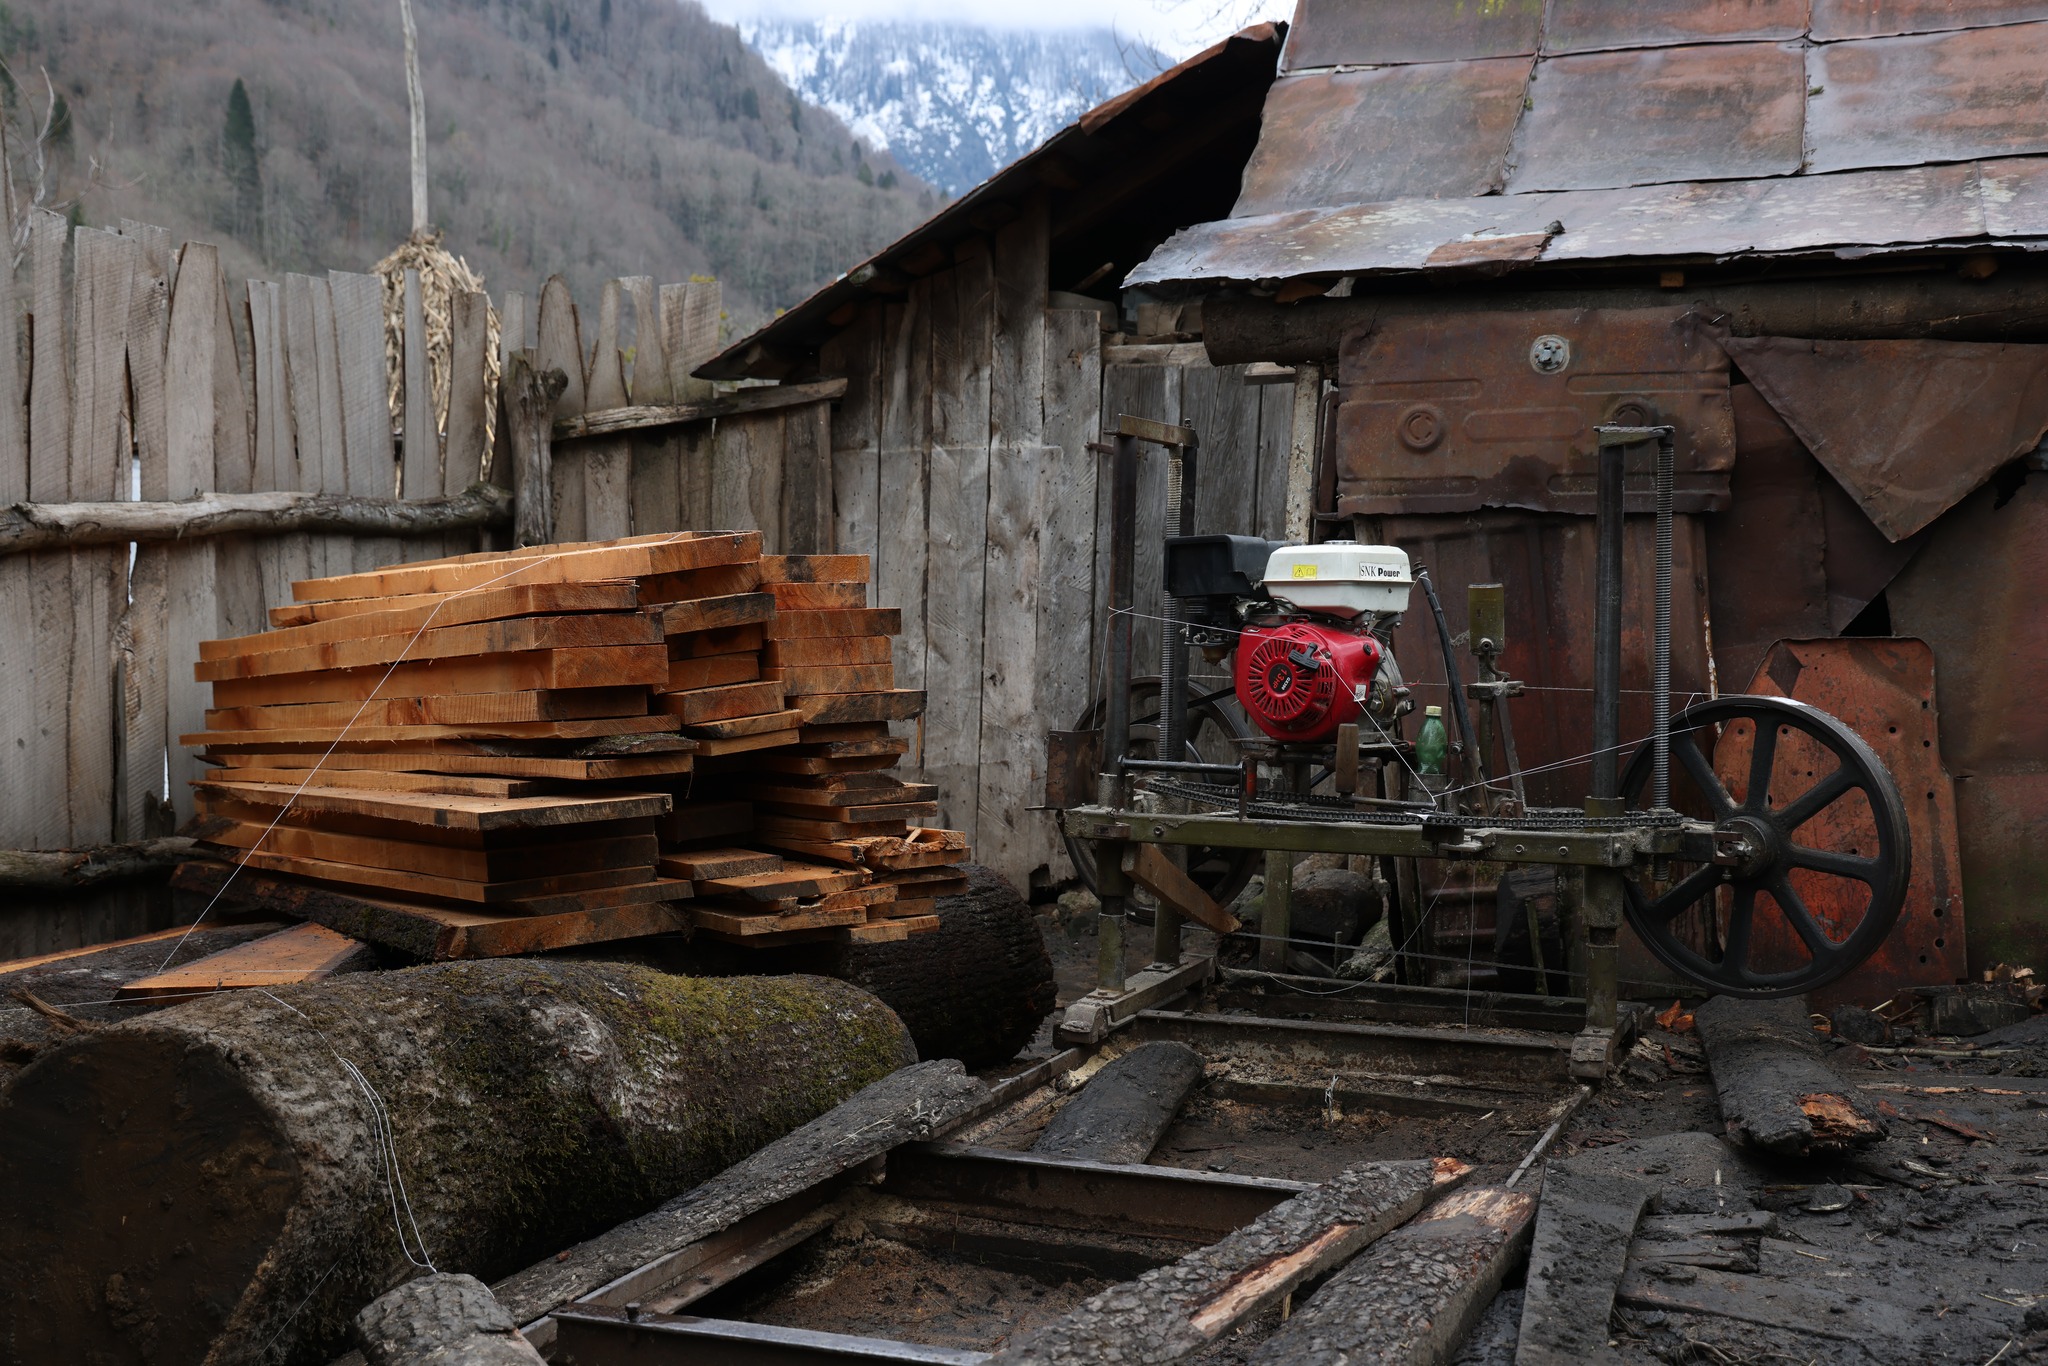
(1667,129)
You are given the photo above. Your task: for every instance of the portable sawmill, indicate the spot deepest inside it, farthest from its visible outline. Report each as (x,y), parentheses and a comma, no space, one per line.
(1756,845)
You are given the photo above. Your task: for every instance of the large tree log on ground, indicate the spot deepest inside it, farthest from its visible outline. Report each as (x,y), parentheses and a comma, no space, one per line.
(1776,1093)
(441,1321)
(1126,1108)
(205,1184)
(977,988)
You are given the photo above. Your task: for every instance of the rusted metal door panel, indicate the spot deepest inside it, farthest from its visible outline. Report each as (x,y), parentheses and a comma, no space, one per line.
(1349,137)
(1908,427)
(1383,32)
(1451,414)
(1593,25)
(1546,564)
(1717,111)
(1932,97)
(2005,866)
(1974,593)
(1766,563)
(1884,690)
(1837,19)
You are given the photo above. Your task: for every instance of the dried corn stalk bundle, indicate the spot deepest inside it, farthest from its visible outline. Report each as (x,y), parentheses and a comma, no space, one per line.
(443,275)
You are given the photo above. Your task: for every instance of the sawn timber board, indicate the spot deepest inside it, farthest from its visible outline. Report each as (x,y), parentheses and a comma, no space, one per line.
(632,558)
(432,610)
(619,666)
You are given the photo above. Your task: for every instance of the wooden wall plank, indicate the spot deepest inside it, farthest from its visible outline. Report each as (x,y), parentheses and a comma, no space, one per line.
(515,326)
(690,335)
(956,526)
(654,477)
(143,642)
(1069,614)
(42,823)
(746,476)
(18,790)
(462,461)
(306,356)
(1009,768)
(1224,412)
(902,543)
(651,380)
(420,455)
(370,465)
(1151,391)
(238,561)
(560,343)
(1276,434)
(807,480)
(192,614)
(855,353)
(606,460)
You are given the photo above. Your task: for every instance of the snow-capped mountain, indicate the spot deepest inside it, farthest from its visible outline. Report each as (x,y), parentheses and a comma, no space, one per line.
(953,103)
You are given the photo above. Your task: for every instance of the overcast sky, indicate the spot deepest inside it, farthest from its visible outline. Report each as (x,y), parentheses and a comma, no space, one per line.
(1176,27)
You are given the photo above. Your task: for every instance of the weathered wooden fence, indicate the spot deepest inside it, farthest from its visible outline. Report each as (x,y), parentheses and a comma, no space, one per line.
(174,452)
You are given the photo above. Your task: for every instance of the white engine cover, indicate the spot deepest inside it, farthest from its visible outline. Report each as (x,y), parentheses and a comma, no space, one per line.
(1340,578)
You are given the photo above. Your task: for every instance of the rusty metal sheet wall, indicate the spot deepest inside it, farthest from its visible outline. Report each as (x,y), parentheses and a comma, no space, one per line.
(1837,19)
(1908,427)
(1590,25)
(1717,111)
(1362,32)
(1973,593)
(1884,690)
(1936,97)
(1452,414)
(1437,130)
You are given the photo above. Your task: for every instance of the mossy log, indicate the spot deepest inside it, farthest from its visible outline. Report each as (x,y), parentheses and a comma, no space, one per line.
(205,1184)
(977,988)
(441,1321)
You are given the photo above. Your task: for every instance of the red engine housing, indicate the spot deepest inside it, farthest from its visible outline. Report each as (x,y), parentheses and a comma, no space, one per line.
(1301,681)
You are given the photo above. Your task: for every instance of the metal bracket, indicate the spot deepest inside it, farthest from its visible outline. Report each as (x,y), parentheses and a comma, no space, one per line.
(1095,1016)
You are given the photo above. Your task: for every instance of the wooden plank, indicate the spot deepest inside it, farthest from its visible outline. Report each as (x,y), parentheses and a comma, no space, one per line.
(902,544)
(817,597)
(714,581)
(807,507)
(954,626)
(619,666)
(104,266)
(503,765)
(300,354)
(1157,873)
(1576,1259)
(437,860)
(238,563)
(737,727)
(742,744)
(459,890)
(660,554)
(815,568)
(282,559)
(805,680)
(826,650)
(439,610)
(363,734)
(711,671)
(45,824)
(468,420)
(746,475)
(1069,617)
(870,621)
(790,879)
(401,782)
(365,402)
(833,708)
(458,709)
(854,352)
(714,614)
(192,612)
(702,864)
(450,812)
(1148,391)
(607,462)
(570,631)
(717,704)
(421,475)
(690,317)
(560,346)
(141,642)
(631,419)
(724,641)
(303,953)
(651,381)
(21,803)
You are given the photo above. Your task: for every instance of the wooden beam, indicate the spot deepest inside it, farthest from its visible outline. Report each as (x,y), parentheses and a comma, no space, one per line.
(613,420)
(51,526)
(1154,871)
(71,870)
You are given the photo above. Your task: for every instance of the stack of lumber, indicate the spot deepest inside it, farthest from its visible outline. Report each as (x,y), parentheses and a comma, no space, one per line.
(623,737)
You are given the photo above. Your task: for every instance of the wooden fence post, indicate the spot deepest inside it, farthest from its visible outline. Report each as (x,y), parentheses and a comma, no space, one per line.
(530,396)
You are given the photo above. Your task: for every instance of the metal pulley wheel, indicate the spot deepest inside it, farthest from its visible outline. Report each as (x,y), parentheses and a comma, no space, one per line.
(1212,723)
(1814,854)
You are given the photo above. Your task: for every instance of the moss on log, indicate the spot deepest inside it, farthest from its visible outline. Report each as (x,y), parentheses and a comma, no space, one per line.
(205,1184)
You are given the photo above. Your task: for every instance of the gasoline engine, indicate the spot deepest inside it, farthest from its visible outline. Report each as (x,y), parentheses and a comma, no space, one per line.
(1310,626)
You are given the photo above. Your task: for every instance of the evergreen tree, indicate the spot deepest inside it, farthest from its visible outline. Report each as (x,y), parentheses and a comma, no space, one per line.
(238,161)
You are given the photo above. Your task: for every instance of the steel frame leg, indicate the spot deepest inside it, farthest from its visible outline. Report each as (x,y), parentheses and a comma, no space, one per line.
(1276,920)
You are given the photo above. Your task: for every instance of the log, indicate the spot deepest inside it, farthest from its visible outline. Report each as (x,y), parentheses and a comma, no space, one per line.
(915,1103)
(441,1320)
(976,989)
(1576,1260)
(1414,1296)
(1125,1109)
(1776,1093)
(1172,1312)
(611,421)
(75,870)
(529,400)
(58,526)
(205,1184)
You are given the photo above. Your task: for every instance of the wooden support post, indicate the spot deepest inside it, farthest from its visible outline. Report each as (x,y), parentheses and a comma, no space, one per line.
(529,414)
(1301,452)
(1113,885)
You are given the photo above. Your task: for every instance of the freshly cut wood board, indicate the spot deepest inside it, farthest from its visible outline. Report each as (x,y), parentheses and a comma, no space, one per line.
(431,610)
(729,640)
(849,795)
(303,953)
(827,708)
(701,864)
(509,730)
(578,631)
(707,748)
(460,709)
(893,930)
(514,864)
(778,828)
(815,568)
(506,765)
(791,879)
(622,666)
(716,581)
(817,650)
(628,559)
(711,614)
(724,923)
(712,671)
(871,621)
(774,722)
(718,704)
(398,782)
(812,680)
(453,811)
(443,888)
(819,597)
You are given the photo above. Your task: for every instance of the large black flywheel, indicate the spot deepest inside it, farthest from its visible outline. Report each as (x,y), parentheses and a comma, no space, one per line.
(1814,853)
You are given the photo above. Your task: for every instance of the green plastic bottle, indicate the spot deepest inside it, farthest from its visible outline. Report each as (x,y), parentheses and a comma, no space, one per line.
(1432,742)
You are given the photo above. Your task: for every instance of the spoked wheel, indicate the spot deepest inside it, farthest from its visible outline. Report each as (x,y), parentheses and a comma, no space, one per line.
(1818,839)
(1211,727)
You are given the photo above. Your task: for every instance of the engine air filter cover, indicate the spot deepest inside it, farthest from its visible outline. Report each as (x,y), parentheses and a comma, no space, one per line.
(1300,681)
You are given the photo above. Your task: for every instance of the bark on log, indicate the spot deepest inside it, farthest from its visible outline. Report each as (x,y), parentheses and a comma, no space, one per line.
(1415,1294)
(56,526)
(1776,1093)
(1125,1108)
(1172,1312)
(915,1103)
(441,1320)
(205,1184)
(529,398)
(977,988)
(1576,1260)
(74,870)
